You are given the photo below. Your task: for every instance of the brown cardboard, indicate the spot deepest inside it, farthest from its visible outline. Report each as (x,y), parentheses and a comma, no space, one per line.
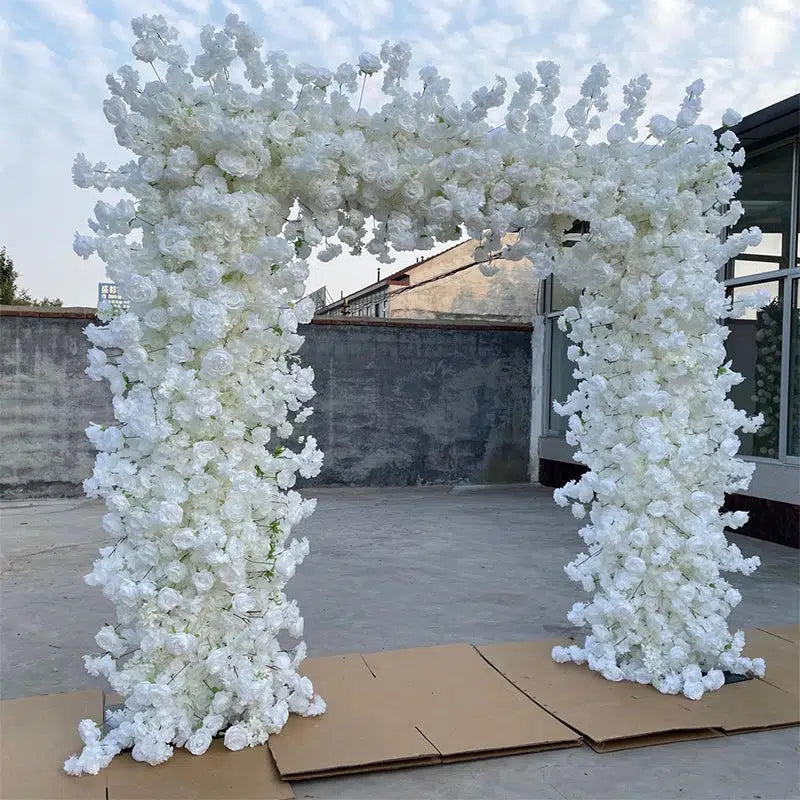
(463,706)
(789,632)
(601,710)
(668,737)
(749,706)
(219,774)
(781,654)
(37,734)
(363,729)
(615,716)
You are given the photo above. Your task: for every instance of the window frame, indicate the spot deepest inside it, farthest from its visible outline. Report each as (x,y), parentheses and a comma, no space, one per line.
(550,320)
(785,278)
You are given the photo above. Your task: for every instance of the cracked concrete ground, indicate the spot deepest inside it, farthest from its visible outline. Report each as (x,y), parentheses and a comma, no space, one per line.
(392,568)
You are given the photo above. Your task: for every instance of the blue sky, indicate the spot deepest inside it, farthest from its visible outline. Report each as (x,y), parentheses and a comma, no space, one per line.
(54,55)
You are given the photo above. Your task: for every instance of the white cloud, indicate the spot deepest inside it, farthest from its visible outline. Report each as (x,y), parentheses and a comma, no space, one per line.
(764,32)
(71,14)
(590,12)
(364,14)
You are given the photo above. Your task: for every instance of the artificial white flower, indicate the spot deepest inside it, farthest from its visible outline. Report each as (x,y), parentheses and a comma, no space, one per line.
(369,64)
(236,737)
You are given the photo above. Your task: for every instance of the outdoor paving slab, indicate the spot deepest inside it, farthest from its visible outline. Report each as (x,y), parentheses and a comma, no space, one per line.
(409,567)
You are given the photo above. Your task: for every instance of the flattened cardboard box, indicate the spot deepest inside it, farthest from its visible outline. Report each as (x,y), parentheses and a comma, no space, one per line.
(789,632)
(219,774)
(615,716)
(361,728)
(463,706)
(781,653)
(38,733)
(411,707)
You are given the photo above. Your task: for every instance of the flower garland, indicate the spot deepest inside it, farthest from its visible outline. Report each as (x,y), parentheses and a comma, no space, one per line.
(232,189)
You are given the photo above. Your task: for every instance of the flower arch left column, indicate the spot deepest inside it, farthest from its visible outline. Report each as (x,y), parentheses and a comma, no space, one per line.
(197,474)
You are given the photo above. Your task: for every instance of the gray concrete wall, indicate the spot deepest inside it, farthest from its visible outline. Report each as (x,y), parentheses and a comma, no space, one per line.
(400,404)
(397,403)
(46,403)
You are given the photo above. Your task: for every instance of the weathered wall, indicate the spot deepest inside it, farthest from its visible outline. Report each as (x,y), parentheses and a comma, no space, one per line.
(401,404)
(511,294)
(46,403)
(397,404)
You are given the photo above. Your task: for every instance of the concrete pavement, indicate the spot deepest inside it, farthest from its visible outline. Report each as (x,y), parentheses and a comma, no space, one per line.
(393,568)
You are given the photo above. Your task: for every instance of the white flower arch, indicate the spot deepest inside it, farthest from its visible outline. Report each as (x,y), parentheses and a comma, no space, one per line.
(232,190)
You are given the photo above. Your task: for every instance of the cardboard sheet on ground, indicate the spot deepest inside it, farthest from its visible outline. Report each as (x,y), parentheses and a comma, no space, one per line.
(789,632)
(361,730)
(463,706)
(782,655)
(37,734)
(221,774)
(615,716)
(410,707)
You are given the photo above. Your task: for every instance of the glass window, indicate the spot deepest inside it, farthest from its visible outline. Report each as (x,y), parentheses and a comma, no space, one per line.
(561,380)
(766,195)
(561,298)
(754,346)
(794,374)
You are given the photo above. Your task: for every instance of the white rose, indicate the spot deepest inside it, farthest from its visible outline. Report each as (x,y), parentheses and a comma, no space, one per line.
(129,592)
(168,598)
(285,565)
(236,737)
(107,639)
(368,63)
(184,539)
(216,363)
(616,133)
(731,118)
(115,110)
(231,162)
(156,318)
(242,603)
(280,130)
(305,73)
(145,50)
(199,742)
(516,120)
(169,514)
(175,571)
(304,311)
(441,209)
(203,580)
(635,565)
(181,643)
(165,103)
(322,78)
(729,139)
(500,192)
(660,126)
(413,190)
